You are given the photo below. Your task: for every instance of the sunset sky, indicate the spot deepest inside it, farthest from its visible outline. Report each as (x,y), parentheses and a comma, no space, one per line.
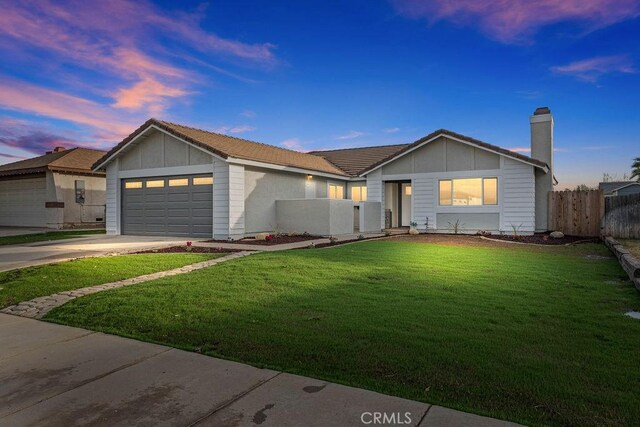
(325,74)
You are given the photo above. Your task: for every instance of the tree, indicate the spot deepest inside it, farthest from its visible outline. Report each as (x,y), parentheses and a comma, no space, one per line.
(583,187)
(635,169)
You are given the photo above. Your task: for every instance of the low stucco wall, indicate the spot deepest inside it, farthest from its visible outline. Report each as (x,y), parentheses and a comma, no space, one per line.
(324,217)
(370,217)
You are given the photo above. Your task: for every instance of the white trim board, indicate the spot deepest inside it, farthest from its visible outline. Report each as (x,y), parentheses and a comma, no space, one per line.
(264,165)
(167,171)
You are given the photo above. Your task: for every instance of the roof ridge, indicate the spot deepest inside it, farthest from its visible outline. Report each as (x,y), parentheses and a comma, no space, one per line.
(235,137)
(358,148)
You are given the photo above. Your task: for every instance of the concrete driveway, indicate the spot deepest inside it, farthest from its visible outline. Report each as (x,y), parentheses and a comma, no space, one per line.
(29,254)
(62,376)
(19,231)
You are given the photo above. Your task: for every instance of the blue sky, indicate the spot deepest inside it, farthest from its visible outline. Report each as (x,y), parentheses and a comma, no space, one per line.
(326,74)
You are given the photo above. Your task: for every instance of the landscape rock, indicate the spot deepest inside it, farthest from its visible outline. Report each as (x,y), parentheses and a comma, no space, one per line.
(556,235)
(261,236)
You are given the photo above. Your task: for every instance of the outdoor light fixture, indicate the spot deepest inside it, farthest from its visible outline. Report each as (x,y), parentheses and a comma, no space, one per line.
(309,176)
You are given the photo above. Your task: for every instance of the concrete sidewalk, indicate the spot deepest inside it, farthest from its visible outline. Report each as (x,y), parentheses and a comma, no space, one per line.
(58,375)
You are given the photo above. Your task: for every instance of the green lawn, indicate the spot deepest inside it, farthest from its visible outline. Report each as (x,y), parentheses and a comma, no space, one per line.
(28,283)
(43,237)
(533,335)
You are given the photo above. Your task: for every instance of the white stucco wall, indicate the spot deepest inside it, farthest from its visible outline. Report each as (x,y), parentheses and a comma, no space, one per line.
(92,211)
(322,217)
(370,217)
(262,187)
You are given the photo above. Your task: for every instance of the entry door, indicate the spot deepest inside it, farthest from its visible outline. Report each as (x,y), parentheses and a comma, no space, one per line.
(405,199)
(180,206)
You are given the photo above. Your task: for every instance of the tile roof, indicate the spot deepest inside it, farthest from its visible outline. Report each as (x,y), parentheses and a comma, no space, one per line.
(228,146)
(346,162)
(79,160)
(355,160)
(468,139)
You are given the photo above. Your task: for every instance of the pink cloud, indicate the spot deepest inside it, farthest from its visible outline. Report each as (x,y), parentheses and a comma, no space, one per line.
(147,91)
(515,21)
(24,97)
(110,36)
(592,69)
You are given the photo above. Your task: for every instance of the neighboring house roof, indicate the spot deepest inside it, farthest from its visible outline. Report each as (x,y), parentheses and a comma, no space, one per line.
(75,160)
(625,186)
(228,146)
(355,160)
(472,141)
(609,187)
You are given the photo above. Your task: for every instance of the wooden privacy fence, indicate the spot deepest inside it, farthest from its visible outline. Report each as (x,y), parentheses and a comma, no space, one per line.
(622,216)
(576,213)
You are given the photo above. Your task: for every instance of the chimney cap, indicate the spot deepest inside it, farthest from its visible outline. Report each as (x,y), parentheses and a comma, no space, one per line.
(541,110)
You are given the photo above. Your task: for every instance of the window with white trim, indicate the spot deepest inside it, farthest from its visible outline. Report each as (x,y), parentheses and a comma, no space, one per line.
(359,193)
(468,191)
(336,191)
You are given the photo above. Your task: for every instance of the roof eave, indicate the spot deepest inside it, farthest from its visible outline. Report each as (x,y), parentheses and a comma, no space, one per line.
(149,124)
(443,133)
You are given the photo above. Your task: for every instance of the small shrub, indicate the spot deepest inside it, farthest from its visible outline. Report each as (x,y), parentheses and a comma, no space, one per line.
(360,236)
(387,233)
(516,230)
(333,240)
(456,227)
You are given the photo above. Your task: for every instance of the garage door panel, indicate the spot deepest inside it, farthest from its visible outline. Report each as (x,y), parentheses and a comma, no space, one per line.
(22,202)
(170,210)
(202,197)
(179,197)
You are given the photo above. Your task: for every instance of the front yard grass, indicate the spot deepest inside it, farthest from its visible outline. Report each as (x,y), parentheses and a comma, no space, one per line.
(43,237)
(28,283)
(533,335)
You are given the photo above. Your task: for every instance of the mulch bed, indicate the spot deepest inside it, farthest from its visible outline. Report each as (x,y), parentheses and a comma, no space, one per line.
(194,250)
(279,240)
(542,239)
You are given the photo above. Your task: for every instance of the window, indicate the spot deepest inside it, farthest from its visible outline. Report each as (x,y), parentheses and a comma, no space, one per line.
(490,191)
(179,182)
(133,184)
(468,192)
(445,192)
(336,191)
(203,180)
(155,184)
(359,193)
(80,194)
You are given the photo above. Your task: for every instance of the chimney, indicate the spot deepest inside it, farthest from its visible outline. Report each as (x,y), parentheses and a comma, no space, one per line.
(542,149)
(58,149)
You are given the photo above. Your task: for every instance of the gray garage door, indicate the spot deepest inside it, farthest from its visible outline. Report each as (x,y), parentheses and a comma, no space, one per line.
(168,206)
